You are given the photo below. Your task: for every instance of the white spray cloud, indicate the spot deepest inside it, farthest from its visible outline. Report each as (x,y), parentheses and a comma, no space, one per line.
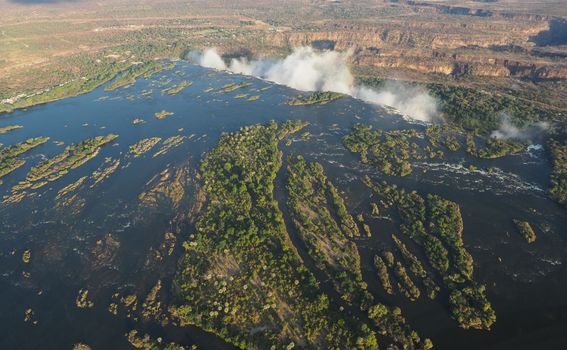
(211,59)
(307,69)
(508,130)
(413,101)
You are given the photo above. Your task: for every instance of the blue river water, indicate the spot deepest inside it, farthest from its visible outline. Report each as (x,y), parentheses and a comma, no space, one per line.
(525,283)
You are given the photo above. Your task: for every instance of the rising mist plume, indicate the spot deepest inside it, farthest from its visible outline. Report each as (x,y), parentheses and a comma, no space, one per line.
(508,130)
(307,69)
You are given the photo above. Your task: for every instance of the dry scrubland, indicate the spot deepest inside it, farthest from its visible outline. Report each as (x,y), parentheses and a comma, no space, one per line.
(516,48)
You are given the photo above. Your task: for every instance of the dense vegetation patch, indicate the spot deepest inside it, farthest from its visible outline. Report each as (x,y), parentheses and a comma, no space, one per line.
(417,268)
(558,186)
(390,152)
(435,224)
(391,322)
(490,147)
(318,97)
(314,203)
(177,88)
(98,76)
(481,112)
(478,111)
(58,166)
(9,160)
(129,76)
(233,87)
(240,277)
(526,230)
(143,146)
(383,274)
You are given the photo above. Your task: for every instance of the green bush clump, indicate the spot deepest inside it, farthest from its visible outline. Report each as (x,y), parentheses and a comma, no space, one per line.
(526,230)
(383,274)
(391,323)
(318,97)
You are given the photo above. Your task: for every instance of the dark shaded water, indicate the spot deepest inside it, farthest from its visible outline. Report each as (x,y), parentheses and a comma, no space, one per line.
(525,283)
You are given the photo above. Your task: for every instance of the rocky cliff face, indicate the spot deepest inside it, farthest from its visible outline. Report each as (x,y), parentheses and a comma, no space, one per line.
(476,47)
(455,66)
(414,33)
(459,10)
(387,37)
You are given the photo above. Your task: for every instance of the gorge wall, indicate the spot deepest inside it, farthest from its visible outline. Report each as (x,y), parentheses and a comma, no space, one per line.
(476,47)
